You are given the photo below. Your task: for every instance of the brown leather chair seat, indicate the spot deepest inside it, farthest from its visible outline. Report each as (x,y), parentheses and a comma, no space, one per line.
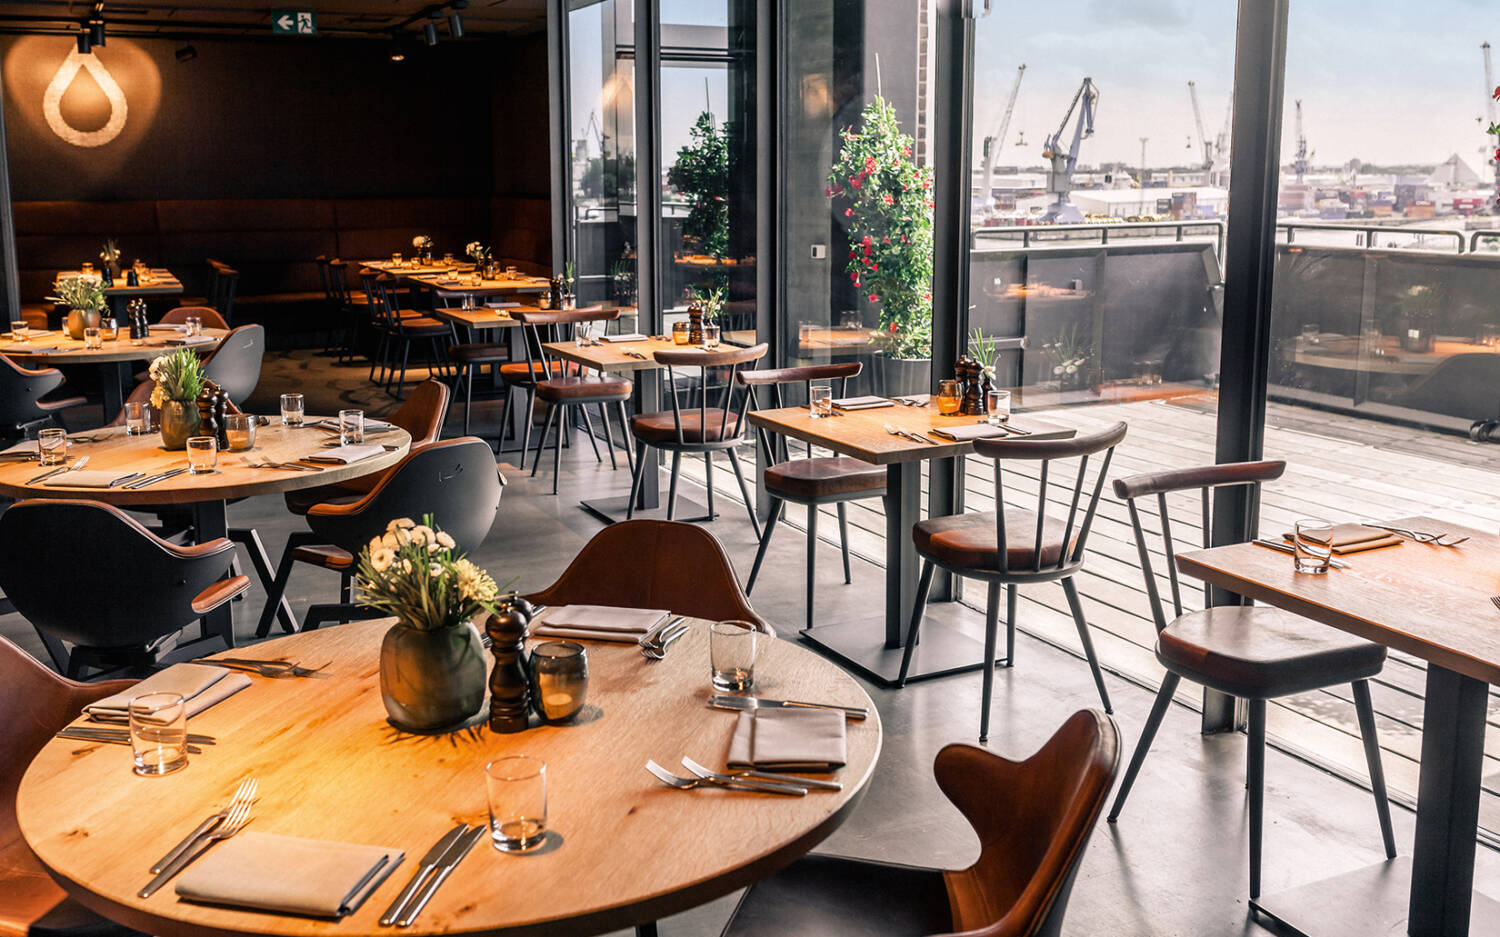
(584,388)
(1254,652)
(661,427)
(424,325)
(522,372)
(479,353)
(967,541)
(812,479)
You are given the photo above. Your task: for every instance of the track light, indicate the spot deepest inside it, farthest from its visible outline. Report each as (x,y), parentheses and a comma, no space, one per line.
(186,54)
(456,20)
(85,44)
(429,34)
(398,47)
(96,32)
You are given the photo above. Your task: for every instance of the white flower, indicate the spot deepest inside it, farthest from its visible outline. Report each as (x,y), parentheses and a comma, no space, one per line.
(445,540)
(421,240)
(381,559)
(435,570)
(390,541)
(474,584)
(1057,370)
(421,535)
(434,547)
(1072,369)
(406,566)
(400,522)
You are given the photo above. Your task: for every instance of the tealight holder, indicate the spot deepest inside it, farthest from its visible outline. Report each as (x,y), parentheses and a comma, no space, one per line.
(559,680)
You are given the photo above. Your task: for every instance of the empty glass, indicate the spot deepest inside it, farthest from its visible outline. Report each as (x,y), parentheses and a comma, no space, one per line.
(820,400)
(92,339)
(194,325)
(239,431)
(510,272)
(203,455)
(516,787)
(52,446)
(1312,545)
(949,398)
(158,733)
(997,405)
(137,419)
(559,679)
(19,331)
(710,337)
(731,651)
(291,409)
(87,270)
(351,427)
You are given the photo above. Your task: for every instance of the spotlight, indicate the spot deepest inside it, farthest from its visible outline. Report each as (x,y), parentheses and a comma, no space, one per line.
(85,44)
(96,32)
(186,54)
(429,34)
(456,20)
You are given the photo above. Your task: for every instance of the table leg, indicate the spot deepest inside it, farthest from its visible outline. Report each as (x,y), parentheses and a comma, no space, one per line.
(210,522)
(114,375)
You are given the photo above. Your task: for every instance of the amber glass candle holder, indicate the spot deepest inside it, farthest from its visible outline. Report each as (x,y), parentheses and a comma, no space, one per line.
(559,680)
(949,398)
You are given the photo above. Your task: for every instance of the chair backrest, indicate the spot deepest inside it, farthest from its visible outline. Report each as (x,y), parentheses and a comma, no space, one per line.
(1206,478)
(323,279)
(1076,528)
(774,445)
(338,282)
(235,364)
(455,480)
(224,282)
(423,412)
(39,539)
(208,315)
(1033,818)
(654,564)
(20,389)
(547,325)
(733,359)
(380,294)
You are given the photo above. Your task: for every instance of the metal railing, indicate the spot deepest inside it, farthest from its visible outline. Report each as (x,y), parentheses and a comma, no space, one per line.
(1128,230)
(1367,235)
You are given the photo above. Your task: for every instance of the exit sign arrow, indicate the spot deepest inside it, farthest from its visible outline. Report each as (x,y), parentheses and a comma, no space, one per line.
(294,23)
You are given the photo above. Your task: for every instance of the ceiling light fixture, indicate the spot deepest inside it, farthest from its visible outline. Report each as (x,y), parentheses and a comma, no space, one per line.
(85,44)
(96,32)
(429,33)
(398,47)
(456,20)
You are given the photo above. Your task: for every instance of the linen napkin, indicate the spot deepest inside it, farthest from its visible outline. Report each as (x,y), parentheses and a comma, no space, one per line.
(269,872)
(346,455)
(502,304)
(103,478)
(971,432)
(623,337)
(868,402)
(166,327)
(188,339)
(201,685)
(1355,538)
(371,426)
(809,740)
(600,623)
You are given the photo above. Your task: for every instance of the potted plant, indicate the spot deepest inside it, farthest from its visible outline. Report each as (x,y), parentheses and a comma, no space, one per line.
(1066,360)
(84,297)
(179,381)
(433,666)
(110,257)
(423,245)
(701,174)
(480,254)
(887,201)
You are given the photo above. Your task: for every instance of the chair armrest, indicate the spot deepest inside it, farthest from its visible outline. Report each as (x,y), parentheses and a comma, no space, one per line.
(219,593)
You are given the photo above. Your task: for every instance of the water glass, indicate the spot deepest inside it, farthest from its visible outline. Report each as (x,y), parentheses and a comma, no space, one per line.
(395,260)
(731,651)
(559,680)
(291,409)
(448,258)
(850,319)
(1310,333)
(710,337)
(467,302)
(137,419)
(997,405)
(510,272)
(820,400)
(239,431)
(52,446)
(351,427)
(516,787)
(203,455)
(92,339)
(949,398)
(19,331)
(583,334)
(194,325)
(1312,545)
(87,270)
(109,330)
(158,733)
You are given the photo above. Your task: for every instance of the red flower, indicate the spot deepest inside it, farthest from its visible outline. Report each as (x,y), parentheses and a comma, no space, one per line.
(1496,95)
(870,164)
(886,239)
(893,326)
(848,213)
(906,150)
(851,255)
(887,199)
(854,181)
(854,275)
(865,242)
(875,267)
(874,298)
(927,296)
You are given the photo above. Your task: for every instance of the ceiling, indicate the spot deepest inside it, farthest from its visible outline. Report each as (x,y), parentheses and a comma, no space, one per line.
(201,19)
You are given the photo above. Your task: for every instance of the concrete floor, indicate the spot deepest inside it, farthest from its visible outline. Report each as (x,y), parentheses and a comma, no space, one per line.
(1174,865)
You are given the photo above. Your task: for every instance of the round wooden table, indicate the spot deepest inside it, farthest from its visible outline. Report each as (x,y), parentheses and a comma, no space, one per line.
(114,359)
(623,850)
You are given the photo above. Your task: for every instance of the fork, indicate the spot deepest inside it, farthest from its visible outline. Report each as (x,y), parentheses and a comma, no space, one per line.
(654,647)
(269,668)
(904,434)
(736,776)
(686,784)
(1420,536)
(246,792)
(235,821)
(1496,600)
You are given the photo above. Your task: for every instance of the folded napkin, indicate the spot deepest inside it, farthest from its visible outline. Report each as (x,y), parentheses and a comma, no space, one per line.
(201,685)
(289,874)
(1355,538)
(502,304)
(189,339)
(371,426)
(862,403)
(788,740)
(600,623)
(102,478)
(971,432)
(166,327)
(623,337)
(346,455)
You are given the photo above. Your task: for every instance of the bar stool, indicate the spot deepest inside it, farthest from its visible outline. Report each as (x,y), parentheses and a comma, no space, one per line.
(811,481)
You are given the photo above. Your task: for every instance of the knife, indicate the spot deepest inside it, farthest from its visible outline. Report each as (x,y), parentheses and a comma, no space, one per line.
(454,855)
(1288,548)
(141,483)
(124,478)
(746,703)
(60,469)
(428,864)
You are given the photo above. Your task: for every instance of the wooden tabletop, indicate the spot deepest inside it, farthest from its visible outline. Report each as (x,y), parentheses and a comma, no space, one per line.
(626,849)
(1431,602)
(481,318)
(862,433)
(459,286)
(610,356)
(65,350)
(114,450)
(1344,354)
(159,283)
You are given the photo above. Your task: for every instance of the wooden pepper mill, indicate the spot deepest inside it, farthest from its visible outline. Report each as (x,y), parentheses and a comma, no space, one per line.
(695,323)
(967,371)
(510,701)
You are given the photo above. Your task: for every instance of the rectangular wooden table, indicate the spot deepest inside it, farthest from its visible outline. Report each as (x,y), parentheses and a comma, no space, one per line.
(159,282)
(861,433)
(1432,603)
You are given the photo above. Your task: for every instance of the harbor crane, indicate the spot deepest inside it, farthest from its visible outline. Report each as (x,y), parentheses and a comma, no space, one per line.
(1219,171)
(1203,141)
(994,142)
(1060,172)
(1300,162)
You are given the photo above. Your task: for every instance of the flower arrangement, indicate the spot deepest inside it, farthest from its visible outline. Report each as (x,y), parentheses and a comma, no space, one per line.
(888,205)
(477,252)
(569,275)
(701,173)
(712,302)
(985,350)
(411,571)
(422,242)
(1067,356)
(178,376)
(110,255)
(82,293)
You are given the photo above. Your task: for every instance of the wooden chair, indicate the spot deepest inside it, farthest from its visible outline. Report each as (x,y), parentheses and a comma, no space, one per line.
(1253,653)
(401,328)
(1033,819)
(166,587)
(21,405)
(1012,547)
(235,364)
(208,315)
(37,703)
(701,429)
(811,481)
(654,564)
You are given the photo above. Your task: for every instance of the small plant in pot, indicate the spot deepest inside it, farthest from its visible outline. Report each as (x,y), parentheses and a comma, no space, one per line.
(179,380)
(85,300)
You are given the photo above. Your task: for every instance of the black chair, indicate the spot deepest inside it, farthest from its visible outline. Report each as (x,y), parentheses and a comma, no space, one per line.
(163,587)
(223,281)
(454,480)
(1253,653)
(22,408)
(400,329)
(235,364)
(1013,547)
(697,429)
(1033,819)
(811,481)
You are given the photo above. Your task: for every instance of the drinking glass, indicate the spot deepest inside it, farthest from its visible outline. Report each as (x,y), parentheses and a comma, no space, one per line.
(1312,545)
(395,260)
(998,406)
(291,409)
(710,337)
(820,400)
(950,398)
(92,339)
(510,272)
(805,332)
(680,334)
(19,331)
(583,333)
(516,787)
(158,733)
(850,319)
(1310,333)
(351,427)
(194,325)
(448,258)
(52,446)
(203,455)
(239,431)
(559,679)
(109,330)
(731,652)
(87,270)
(137,419)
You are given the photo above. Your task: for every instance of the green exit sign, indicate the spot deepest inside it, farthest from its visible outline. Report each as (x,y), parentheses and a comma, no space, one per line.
(294,23)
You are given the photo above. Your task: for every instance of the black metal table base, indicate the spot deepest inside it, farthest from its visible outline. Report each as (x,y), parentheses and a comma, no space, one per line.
(610,510)
(1368,902)
(944,649)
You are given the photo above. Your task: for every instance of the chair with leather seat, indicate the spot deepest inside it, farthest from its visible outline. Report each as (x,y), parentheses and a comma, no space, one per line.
(697,429)
(235,364)
(1033,819)
(811,481)
(400,329)
(21,405)
(37,703)
(454,480)
(207,315)
(1254,653)
(1012,547)
(167,587)
(654,564)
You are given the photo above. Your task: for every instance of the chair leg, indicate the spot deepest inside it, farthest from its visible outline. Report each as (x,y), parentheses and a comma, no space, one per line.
(1153,722)
(646,930)
(844,541)
(525,415)
(346,588)
(812,559)
(739,476)
(918,609)
(1010,624)
(1071,590)
(765,541)
(609,437)
(672,488)
(991,635)
(562,423)
(588,423)
(1366,712)
(635,477)
(625,438)
(536,459)
(708,480)
(469,400)
(1255,777)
